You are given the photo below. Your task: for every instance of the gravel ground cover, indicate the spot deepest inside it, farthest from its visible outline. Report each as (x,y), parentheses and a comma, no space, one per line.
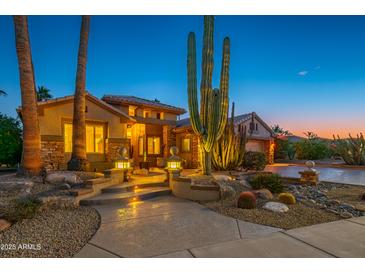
(298,215)
(51,233)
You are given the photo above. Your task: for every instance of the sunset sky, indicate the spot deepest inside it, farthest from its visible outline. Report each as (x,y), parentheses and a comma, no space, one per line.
(305,73)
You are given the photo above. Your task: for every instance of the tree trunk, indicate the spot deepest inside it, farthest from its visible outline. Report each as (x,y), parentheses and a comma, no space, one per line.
(31,156)
(206,159)
(78,158)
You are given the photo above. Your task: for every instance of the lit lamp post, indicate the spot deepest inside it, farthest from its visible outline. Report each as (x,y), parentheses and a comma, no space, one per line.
(123,163)
(173,164)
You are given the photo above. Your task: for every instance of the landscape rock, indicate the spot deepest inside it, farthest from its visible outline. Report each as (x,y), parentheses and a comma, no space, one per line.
(222,177)
(360,208)
(4,224)
(264,194)
(346,215)
(227,192)
(63,177)
(65,186)
(275,207)
(58,202)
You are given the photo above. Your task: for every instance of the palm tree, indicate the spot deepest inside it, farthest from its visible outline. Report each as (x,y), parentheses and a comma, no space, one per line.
(3,93)
(31,156)
(78,157)
(43,93)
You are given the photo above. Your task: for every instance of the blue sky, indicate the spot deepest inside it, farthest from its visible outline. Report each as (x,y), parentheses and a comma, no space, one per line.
(306,73)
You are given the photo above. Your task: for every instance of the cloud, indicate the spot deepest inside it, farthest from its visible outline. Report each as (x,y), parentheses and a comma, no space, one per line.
(303,73)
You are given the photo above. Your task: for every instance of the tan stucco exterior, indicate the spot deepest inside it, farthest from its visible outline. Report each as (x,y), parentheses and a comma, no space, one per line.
(52,117)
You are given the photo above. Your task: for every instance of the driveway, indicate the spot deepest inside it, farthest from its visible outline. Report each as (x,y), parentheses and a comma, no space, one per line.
(172,227)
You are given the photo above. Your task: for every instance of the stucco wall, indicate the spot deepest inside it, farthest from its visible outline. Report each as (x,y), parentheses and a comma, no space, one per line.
(50,122)
(262,132)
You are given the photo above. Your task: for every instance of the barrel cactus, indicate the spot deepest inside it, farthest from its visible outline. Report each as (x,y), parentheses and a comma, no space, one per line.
(210,122)
(246,200)
(287,198)
(229,151)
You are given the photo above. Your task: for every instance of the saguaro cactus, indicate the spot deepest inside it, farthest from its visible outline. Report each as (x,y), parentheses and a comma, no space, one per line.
(209,124)
(229,151)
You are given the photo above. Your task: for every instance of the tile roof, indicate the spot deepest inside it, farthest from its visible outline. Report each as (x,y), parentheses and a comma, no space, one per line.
(126,99)
(237,119)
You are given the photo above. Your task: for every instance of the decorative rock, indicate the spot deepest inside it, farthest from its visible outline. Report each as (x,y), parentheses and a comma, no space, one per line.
(244,183)
(275,207)
(264,194)
(65,186)
(347,206)
(63,177)
(227,192)
(4,224)
(58,202)
(346,215)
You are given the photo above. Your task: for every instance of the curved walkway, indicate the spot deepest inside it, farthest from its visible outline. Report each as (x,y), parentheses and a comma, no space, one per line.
(172,227)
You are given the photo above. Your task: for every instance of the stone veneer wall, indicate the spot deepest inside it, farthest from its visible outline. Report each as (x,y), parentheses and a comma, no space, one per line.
(113,145)
(168,139)
(52,152)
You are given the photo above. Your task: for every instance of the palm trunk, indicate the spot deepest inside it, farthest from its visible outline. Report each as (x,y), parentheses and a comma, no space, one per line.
(78,158)
(31,156)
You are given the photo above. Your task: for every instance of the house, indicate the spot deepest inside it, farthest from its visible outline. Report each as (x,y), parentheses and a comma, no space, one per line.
(259,135)
(148,128)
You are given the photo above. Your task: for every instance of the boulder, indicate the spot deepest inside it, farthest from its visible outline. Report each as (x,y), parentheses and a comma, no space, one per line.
(244,183)
(275,207)
(65,186)
(346,215)
(63,177)
(264,194)
(4,224)
(227,192)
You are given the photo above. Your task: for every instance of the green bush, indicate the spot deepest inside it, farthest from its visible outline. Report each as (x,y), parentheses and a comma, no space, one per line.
(267,180)
(284,149)
(254,160)
(23,208)
(10,140)
(312,149)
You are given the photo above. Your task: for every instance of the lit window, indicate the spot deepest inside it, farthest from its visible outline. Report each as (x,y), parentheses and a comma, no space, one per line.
(159,115)
(153,145)
(129,131)
(146,114)
(131,111)
(185,145)
(140,146)
(68,137)
(94,138)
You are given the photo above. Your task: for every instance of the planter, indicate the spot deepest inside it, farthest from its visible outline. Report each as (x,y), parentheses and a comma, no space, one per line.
(183,187)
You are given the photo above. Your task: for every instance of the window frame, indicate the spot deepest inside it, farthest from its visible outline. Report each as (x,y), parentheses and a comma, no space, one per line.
(88,123)
(160,147)
(182,144)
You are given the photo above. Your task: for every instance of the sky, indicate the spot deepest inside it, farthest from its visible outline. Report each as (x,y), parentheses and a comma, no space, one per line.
(305,73)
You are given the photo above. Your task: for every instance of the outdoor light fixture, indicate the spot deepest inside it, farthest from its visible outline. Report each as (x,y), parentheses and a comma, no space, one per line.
(123,163)
(173,164)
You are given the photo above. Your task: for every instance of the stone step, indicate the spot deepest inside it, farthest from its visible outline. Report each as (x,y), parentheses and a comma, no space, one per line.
(97,181)
(126,197)
(128,187)
(81,191)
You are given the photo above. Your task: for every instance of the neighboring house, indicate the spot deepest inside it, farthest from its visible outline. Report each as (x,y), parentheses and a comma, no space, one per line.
(147,127)
(259,135)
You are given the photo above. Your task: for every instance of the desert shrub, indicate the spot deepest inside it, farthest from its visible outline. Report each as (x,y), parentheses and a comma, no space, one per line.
(10,140)
(352,149)
(312,149)
(254,160)
(284,149)
(287,198)
(246,200)
(23,208)
(267,180)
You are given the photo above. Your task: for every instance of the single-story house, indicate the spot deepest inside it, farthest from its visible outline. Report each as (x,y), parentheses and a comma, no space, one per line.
(260,137)
(147,127)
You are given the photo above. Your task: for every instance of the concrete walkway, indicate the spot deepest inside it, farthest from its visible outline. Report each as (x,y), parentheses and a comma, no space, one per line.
(171,227)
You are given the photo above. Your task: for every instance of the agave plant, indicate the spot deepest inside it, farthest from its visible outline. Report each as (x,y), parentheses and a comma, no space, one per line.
(352,150)
(229,151)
